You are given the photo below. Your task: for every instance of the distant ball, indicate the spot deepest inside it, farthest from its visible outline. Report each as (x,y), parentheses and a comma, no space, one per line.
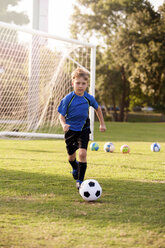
(94,146)
(90,190)
(109,147)
(125,148)
(155,147)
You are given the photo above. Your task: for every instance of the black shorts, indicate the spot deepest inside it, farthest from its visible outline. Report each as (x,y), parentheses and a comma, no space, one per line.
(76,139)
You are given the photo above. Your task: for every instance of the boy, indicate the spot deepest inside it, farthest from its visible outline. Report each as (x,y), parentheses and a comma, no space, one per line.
(75,122)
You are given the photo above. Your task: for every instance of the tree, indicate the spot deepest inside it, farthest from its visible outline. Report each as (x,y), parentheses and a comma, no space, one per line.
(109,83)
(105,18)
(128,29)
(12,16)
(148,52)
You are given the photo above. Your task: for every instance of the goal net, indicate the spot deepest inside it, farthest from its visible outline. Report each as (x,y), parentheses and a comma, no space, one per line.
(35,74)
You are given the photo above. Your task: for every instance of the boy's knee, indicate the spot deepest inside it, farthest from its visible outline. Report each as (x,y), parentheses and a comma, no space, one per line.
(72,157)
(82,155)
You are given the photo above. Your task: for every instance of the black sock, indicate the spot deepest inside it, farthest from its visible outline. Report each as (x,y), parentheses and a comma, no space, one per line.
(74,164)
(81,170)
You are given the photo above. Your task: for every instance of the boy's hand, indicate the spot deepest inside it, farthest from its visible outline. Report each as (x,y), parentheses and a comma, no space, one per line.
(66,127)
(102,128)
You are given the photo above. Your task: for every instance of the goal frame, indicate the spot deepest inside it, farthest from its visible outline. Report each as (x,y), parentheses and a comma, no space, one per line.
(91,88)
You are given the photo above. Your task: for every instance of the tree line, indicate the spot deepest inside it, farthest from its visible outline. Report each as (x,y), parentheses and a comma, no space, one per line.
(130,66)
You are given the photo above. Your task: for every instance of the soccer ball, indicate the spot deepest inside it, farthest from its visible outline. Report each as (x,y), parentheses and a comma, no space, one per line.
(155,147)
(109,147)
(125,148)
(94,146)
(90,190)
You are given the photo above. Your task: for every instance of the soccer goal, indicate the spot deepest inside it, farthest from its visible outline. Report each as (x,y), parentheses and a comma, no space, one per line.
(35,74)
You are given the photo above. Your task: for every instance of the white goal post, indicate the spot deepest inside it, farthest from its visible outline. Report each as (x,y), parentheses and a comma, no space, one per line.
(36,75)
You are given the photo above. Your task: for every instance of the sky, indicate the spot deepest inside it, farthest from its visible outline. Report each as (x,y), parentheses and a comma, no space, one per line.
(59,13)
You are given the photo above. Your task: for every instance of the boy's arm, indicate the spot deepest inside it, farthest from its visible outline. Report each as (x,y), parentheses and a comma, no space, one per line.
(63,123)
(101,119)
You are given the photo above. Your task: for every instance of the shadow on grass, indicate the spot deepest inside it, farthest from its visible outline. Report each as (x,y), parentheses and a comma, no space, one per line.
(55,196)
(33,150)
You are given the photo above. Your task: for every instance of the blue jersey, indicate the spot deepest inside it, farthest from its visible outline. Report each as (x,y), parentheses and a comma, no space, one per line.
(75,109)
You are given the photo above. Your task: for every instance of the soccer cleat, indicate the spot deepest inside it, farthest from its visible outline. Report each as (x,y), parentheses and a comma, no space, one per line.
(75,174)
(78,184)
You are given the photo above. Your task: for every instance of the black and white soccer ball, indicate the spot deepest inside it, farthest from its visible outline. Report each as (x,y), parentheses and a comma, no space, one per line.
(109,147)
(90,190)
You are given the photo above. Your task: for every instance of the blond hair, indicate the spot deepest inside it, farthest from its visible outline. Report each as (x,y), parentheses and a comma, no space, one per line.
(80,72)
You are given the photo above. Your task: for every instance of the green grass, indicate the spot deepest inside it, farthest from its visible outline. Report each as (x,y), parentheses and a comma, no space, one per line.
(40,206)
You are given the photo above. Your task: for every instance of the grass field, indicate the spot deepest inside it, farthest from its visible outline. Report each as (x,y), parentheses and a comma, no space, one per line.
(40,206)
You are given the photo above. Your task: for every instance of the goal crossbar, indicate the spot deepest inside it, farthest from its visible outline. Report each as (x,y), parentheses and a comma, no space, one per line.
(46,35)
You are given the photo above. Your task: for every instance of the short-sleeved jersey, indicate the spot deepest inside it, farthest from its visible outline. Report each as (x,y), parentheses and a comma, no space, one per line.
(75,109)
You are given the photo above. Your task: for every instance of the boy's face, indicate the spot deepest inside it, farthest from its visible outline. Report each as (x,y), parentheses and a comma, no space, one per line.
(79,85)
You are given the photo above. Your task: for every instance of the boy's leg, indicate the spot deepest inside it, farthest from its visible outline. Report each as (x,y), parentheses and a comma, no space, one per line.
(74,163)
(83,145)
(82,163)
(72,158)
(82,166)
(72,146)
